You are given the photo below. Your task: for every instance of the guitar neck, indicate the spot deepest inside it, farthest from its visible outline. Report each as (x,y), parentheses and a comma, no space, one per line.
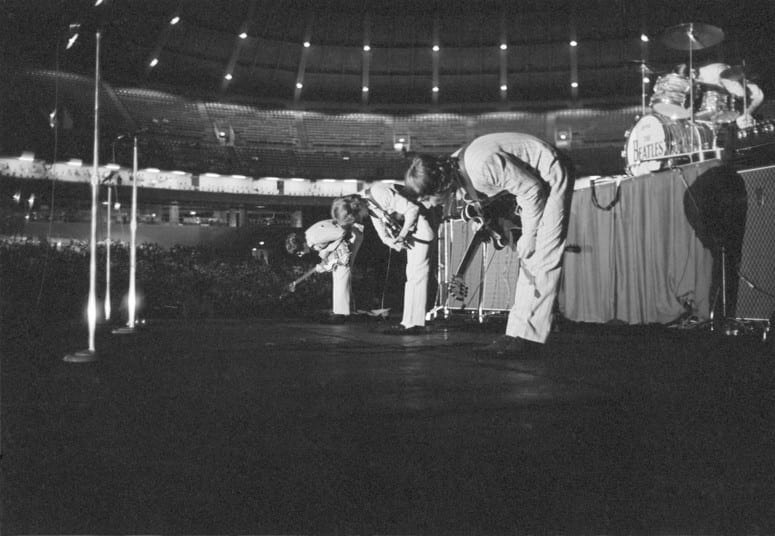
(302,277)
(478,239)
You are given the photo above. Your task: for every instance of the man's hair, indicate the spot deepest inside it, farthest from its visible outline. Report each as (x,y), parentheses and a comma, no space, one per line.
(295,244)
(430,175)
(348,210)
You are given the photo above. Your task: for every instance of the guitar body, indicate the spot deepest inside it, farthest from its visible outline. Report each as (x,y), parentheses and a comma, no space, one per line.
(497,223)
(340,256)
(457,285)
(392,221)
(498,217)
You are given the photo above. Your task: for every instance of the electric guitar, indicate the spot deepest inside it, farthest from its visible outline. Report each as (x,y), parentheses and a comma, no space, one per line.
(340,256)
(392,221)
(497,223)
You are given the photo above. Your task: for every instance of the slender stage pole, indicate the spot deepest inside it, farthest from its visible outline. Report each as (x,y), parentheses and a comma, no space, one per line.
(482,282)
(448,238)
(107,260)
(132,299)
(90,354)
(132,294)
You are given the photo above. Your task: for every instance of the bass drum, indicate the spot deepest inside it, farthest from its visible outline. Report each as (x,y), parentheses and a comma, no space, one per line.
(656,142)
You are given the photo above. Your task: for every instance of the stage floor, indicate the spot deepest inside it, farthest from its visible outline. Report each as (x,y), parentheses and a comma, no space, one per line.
(288,427)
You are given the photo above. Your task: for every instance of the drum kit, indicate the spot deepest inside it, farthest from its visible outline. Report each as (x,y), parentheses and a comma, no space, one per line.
(690,106)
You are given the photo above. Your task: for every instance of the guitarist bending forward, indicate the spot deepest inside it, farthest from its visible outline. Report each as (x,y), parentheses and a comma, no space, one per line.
(540,179)
(402,225)
(337,242)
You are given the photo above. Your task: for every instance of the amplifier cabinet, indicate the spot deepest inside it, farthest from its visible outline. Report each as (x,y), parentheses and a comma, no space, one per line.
(756,285)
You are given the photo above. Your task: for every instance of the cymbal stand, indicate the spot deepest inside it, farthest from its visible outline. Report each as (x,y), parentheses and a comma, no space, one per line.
(692,40)
(643,71)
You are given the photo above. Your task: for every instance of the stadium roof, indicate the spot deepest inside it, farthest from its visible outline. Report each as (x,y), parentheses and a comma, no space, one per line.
(379,55)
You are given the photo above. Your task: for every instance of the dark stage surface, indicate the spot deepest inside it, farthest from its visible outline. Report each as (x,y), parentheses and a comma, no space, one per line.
(287,427)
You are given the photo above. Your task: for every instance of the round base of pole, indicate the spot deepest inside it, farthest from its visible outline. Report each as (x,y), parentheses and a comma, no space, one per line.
(124,330)
(81,356)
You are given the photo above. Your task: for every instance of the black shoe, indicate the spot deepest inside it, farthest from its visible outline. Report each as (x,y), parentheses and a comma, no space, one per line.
(334,319)
(401,330)
(507,347)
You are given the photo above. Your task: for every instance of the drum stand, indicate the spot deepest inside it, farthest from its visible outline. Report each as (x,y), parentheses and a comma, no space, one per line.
(643,71)
(692,40)
(722,290)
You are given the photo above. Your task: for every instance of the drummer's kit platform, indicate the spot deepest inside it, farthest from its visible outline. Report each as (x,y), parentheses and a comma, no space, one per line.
(695,111)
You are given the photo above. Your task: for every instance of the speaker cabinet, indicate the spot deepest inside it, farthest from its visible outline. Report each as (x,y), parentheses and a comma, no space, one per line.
(756,286)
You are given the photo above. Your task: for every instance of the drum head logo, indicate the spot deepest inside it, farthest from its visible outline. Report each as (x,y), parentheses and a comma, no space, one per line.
(646,143)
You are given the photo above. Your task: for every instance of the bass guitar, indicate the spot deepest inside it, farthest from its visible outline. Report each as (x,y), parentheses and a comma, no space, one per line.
(496,222)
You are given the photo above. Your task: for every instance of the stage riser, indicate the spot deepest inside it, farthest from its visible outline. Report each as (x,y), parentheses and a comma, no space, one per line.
(757,264)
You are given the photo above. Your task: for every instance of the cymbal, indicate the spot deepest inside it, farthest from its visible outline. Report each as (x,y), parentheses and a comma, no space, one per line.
(642,65)
(648,67)
(692,36)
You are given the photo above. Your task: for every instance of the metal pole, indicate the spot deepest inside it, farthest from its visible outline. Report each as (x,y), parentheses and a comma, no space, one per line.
(107,259)
(691,92)
(132,293)
(90,354)
(132,298)
(724,282)
(482,281)
(448,238)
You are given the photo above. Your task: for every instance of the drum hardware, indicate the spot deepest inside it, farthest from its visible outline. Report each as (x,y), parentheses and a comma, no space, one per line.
(692,36)
(736,81)
(656,142)
(644,70)
(669,97)
(716,105)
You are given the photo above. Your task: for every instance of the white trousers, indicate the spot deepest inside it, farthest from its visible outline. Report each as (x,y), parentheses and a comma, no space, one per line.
(342,290)
(538,282)
(417,268)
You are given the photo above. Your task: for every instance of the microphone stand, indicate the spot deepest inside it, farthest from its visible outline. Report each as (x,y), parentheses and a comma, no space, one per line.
(107,257)
(132,294)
